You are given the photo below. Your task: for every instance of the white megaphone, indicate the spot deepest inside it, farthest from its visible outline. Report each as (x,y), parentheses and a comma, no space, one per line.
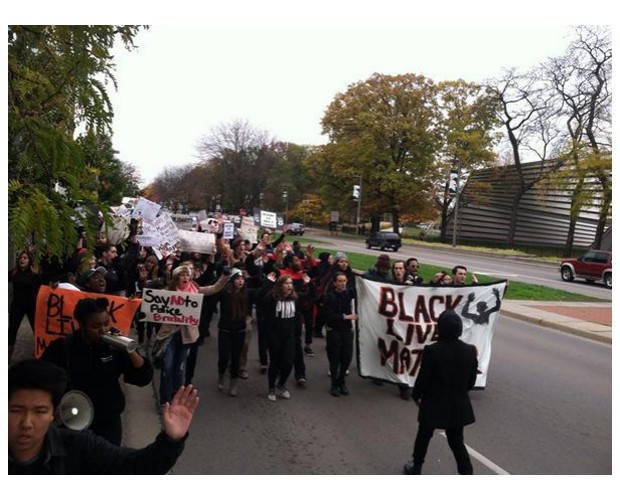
(76,411)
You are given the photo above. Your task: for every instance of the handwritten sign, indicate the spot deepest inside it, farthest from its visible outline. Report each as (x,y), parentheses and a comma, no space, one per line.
(229,230)
(54,314)
(145,209)
(177,308)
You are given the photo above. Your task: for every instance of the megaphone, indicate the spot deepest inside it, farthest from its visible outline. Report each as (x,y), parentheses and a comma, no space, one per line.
(76,411)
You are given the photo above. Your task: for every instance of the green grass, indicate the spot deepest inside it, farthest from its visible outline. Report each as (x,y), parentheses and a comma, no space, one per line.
(516,290)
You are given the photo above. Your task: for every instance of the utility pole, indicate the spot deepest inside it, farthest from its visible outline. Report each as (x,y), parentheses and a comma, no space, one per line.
(456,203)
(359,203)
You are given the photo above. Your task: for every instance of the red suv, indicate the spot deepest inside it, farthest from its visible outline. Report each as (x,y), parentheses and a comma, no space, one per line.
(594,265)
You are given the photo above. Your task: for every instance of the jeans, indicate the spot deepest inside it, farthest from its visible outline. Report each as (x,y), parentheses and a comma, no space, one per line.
(173,368)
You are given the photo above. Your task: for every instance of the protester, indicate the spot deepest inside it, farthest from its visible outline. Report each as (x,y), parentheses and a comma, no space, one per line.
(278,302)
(26,282)
(93,280)
(413,267)
(94,367)
(459,275)
(338,319)
(381,269)
(178,338)
(234,311)
(38,446)
(442,278)
(319,274)
(448,371)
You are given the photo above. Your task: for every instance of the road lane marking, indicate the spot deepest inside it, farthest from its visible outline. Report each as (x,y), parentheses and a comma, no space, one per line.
(484,460)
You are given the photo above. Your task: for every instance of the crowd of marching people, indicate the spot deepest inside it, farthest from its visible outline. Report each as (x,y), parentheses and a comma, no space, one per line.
(290,294)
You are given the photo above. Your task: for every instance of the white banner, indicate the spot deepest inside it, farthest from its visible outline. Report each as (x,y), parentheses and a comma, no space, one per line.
(192,241)
(177,308)
(145,209)
(396,322)
(247,230)
(162,228)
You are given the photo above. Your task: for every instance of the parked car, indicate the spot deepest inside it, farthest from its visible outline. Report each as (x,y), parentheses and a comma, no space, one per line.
(594,265)
(295,228)
(384,240)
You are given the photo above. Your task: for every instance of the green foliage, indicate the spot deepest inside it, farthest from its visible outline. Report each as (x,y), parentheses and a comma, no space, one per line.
(56,82)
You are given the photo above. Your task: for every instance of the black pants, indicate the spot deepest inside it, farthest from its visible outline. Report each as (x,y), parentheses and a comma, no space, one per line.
(229,346)
(206,315)
(308,322)
(146,329)
(263,340)
(339,346)
(281,354)
(16,314)
(319,321)
(455,441)
(190,365)
(299,363)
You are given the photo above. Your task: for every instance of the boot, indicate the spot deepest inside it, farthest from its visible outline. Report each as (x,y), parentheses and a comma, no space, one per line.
(233,387)
(220,382)
(412,468)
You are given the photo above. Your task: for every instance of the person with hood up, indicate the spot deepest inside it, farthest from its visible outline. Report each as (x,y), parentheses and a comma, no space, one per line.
(447,373)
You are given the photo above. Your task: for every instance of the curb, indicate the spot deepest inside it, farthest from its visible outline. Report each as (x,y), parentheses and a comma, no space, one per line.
(591,335)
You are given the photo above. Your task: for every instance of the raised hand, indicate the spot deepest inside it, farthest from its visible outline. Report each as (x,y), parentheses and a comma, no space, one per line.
(177,415)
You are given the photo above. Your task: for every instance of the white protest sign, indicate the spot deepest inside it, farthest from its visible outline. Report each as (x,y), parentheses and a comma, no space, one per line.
(268,219)
(162,227)
(149,240)
(248,230)
(118,231)
(192,241)
(182,221)
(229,230)
(145,209)
(177,308)
(396,322)
(202,215)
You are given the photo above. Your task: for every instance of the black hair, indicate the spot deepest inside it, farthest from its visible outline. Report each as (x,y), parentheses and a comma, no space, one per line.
(86,307)
(456,268)
(38,374)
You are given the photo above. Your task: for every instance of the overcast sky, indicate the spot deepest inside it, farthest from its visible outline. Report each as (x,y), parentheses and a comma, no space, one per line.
(184,80)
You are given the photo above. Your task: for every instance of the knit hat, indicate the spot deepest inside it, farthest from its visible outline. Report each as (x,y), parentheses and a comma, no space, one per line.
(383,261)
(340,255)
(235,271)
(449,325)
(87,274)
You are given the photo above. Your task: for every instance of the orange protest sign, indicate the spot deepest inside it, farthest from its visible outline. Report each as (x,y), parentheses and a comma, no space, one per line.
(54,314)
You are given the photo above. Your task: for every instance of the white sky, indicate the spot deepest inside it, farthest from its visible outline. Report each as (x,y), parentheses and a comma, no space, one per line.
(184,80)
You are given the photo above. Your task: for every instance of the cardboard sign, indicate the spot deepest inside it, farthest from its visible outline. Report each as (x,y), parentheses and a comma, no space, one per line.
(177,308)
(229,230)
(192,241)
(54,314)
(396,322)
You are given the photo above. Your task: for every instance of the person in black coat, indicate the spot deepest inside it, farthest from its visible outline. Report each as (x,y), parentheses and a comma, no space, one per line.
(38,446)
(447,373)
(94,367)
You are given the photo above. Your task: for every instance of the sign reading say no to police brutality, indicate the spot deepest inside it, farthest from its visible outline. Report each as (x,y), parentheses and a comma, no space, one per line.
(177,308)
(396,322)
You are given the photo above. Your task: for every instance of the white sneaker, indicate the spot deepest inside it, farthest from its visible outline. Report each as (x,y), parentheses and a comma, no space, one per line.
(283,392)
(271,396)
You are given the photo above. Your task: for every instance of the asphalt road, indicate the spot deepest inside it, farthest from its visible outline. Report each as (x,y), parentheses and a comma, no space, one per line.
(536,273)
(546,410)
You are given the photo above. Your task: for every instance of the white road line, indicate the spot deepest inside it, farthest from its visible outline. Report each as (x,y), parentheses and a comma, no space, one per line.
(484,460)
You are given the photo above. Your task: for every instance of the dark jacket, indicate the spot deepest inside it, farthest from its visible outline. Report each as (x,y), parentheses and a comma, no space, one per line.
(95,370)
(337,304)
(72,452)
(448,372)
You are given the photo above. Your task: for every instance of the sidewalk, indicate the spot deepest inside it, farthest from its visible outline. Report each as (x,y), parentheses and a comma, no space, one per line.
(590,320)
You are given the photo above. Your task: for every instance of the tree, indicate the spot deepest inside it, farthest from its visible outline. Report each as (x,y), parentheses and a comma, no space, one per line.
(526,115)
(382,134)
(469,119)
(581,78)
(56,81)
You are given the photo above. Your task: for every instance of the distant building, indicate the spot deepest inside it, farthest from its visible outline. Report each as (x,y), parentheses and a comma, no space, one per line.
(542,215)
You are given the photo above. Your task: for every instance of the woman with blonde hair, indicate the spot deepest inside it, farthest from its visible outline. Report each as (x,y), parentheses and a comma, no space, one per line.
(178,338)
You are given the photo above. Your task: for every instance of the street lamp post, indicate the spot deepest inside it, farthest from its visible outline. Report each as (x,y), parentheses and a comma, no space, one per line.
(456,202)
(285,199)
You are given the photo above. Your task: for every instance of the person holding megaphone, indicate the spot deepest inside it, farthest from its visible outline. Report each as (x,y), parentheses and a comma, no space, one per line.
(37,445)
(95,360)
